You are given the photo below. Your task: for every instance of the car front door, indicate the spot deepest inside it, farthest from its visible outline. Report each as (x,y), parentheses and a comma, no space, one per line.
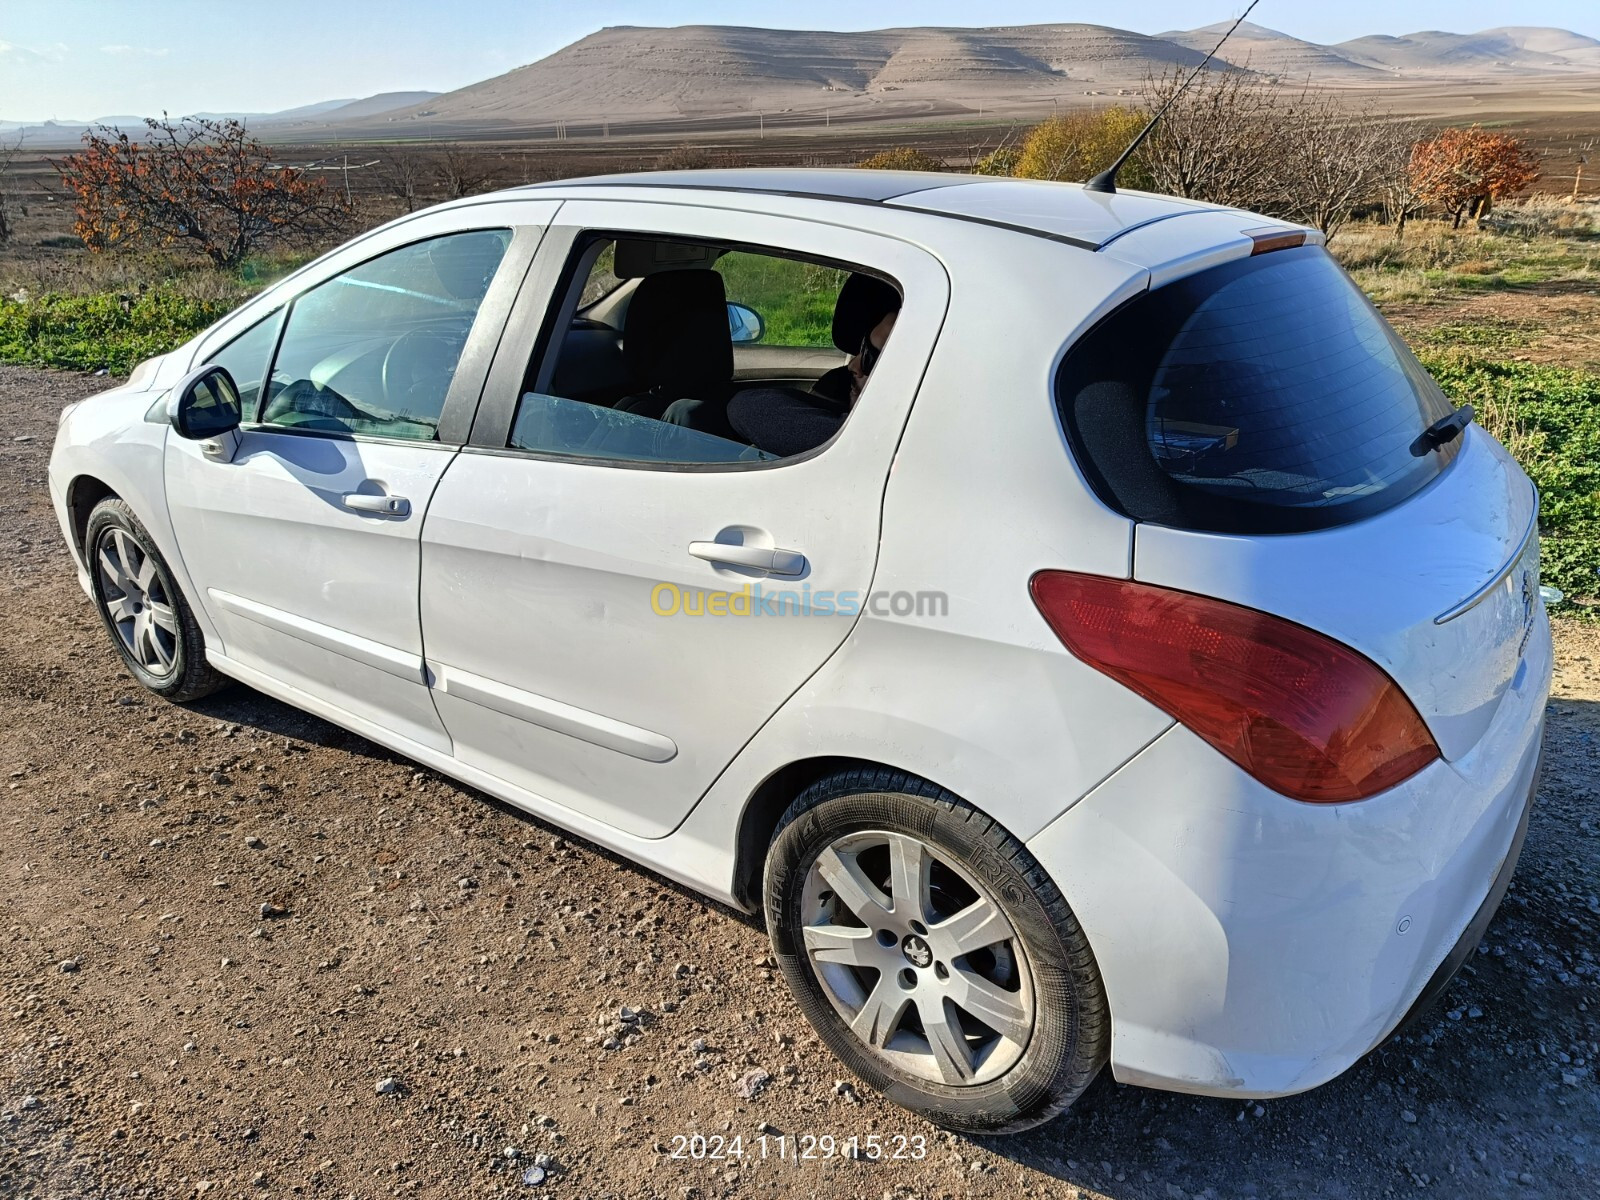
(606,627)
(358,390)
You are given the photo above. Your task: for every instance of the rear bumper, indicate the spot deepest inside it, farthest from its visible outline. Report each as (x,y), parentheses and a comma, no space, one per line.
(1253,946)
(1473,934)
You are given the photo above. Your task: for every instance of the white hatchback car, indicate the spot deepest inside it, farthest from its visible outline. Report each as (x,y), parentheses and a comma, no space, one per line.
(1076,619)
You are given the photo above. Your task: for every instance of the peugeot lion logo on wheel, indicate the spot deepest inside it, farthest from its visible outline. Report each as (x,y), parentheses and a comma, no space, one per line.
(916,951)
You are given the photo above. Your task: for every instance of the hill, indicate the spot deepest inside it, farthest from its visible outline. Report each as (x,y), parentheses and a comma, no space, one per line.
(702,69)
(641,80)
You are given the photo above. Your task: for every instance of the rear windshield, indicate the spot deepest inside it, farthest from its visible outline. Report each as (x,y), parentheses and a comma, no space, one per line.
(1263,395)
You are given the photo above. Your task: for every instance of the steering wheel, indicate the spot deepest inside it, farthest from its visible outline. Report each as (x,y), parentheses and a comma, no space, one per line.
(417,358)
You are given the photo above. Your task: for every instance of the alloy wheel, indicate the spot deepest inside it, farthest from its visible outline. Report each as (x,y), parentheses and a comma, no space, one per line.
(136,600)
(918,958)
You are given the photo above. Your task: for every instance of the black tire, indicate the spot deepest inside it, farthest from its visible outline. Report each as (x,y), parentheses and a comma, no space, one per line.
(189,676)
(1070,1024)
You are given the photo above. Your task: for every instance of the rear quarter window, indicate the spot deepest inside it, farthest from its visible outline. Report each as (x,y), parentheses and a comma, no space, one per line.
(1264,395)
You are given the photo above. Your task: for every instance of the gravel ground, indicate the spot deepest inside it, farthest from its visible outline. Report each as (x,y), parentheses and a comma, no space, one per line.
(248,954)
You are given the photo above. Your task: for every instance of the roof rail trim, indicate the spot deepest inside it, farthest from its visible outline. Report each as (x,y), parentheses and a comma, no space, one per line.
(1065,239)
(1149,221)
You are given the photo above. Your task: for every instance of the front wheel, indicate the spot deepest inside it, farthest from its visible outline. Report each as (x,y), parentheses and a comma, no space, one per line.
(148,618)
(933,953)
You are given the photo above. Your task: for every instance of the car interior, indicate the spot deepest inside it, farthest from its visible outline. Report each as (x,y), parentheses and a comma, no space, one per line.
(374,350)
(659,335)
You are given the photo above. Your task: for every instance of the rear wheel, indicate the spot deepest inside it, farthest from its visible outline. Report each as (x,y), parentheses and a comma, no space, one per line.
(148,618)
(933,954)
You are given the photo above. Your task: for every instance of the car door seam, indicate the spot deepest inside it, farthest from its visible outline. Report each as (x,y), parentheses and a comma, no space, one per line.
(888,472)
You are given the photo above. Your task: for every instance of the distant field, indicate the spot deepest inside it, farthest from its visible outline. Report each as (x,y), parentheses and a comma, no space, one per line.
(1508,320)
(1560,118)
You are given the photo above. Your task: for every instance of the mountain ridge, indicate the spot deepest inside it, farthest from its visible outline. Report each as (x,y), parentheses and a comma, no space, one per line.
(643,76)
(688,70)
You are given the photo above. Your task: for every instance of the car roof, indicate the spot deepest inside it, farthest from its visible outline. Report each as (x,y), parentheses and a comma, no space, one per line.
(1064,212)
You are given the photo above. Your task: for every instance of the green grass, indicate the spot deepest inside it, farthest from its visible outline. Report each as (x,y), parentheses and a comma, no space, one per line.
(1549,418)
(88,312)
(88,333)
(795,299)
(1489,334)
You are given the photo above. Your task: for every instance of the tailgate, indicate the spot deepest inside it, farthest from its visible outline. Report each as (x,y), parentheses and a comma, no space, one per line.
(1440,591)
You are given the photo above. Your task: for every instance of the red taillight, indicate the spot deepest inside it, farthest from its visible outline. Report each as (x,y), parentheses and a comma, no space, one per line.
(1302,713)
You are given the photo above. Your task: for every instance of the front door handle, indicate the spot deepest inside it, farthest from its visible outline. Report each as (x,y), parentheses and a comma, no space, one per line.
(384,506)
(775,561)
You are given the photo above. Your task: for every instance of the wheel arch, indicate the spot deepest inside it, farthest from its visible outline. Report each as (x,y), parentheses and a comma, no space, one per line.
(766,806)
(83,493)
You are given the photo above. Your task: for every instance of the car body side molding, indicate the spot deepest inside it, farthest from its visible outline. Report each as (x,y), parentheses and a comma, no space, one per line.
(554,715)
(394,662)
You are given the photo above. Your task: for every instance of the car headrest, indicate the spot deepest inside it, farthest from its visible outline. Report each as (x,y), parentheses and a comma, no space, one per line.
(676,334)
(864,300)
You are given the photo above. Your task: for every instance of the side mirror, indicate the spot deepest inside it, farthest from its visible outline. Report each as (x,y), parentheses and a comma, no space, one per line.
(206,404)
(744,324)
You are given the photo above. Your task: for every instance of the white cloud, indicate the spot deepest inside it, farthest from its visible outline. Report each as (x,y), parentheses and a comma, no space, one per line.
(123,51)
(30,56)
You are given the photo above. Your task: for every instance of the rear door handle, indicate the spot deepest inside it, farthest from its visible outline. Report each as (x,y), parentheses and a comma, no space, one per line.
(385,506)
(773,560)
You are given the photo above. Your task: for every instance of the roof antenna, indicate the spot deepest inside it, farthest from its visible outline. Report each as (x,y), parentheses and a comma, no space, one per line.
(1106,181)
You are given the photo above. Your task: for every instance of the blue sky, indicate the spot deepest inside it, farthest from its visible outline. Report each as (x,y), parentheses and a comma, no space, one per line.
(83,59)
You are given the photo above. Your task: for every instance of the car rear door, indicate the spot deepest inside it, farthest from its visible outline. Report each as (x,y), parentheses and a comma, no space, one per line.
(585,643)
(303,543)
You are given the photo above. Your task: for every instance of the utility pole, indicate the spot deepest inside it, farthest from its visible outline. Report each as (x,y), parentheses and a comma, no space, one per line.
(347,181)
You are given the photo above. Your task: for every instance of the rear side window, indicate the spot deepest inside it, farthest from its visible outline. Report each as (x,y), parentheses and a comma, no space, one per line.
(1265,395)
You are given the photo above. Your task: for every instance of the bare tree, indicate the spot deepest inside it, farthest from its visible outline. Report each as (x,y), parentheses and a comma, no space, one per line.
(1332,159)
(1399,187)
(462,172)
(202,183)
(1242,140)
(1221,140)
(402,177)
(7,154)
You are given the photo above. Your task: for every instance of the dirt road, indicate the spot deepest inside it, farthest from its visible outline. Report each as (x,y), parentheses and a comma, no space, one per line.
(423,1006)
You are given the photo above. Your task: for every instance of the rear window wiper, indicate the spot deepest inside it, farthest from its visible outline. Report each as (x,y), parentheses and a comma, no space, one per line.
(1442,432)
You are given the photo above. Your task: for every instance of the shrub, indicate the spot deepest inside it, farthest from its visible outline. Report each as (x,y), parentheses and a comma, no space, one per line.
(462,171)
(901,158)
(686,158)
(1002,161)
(204,184)
(1077,145)
(1463,171)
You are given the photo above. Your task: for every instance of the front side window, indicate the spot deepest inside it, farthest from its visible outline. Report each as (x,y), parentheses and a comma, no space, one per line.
(245,358)
(373,351)
(699,353)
